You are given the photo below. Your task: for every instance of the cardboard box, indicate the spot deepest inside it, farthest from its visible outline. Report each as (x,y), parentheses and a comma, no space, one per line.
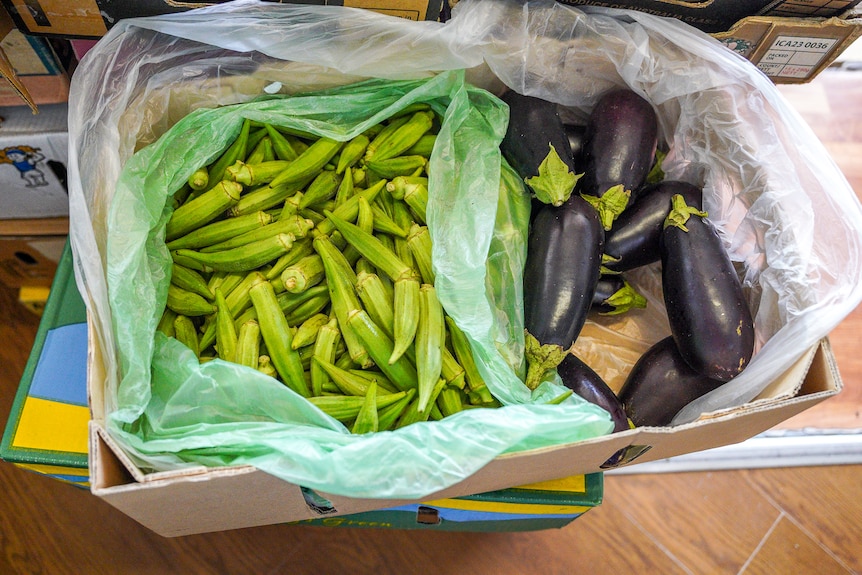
(721,15)
(92,18)
(791,50)
(34,150)
(47,428)
(183,502)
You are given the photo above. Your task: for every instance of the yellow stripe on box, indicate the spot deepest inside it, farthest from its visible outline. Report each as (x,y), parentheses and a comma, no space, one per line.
(508,508)
(52,426)
(573,484)
(55,469)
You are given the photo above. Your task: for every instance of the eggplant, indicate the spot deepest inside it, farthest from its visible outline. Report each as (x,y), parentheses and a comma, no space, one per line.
(634,238)
(614,295)
(660,384)
(587,384)
(619,148)
(575,134)
(537,147)
(564,253)
(706,306)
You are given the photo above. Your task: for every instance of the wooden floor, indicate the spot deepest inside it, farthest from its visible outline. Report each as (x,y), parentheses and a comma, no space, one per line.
(802,520)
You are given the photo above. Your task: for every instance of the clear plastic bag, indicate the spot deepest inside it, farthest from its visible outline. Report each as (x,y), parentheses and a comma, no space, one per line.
(788,216)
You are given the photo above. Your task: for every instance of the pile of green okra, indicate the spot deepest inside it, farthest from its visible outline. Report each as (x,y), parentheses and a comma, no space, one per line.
(309,259)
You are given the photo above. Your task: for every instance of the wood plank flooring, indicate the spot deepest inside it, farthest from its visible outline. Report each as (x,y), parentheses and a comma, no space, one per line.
(801,520)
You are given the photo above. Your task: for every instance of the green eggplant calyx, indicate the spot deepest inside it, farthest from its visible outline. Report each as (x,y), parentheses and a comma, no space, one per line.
(610,204)
(541,358)
(656,174)
(607,258)
(555,182)
(625,299)
(680,212)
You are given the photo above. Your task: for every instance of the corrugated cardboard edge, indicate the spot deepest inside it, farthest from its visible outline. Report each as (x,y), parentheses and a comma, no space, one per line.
(198,500)
(6,68)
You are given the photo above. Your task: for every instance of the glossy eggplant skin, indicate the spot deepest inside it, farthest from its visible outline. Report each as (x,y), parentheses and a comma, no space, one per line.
(706,306)
(619,144)
(564,253)
(575,133)
(660,384)
(635,236)
(534,124)
(586,383)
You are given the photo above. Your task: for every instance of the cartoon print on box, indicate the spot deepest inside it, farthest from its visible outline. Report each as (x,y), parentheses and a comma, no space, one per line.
(26,160)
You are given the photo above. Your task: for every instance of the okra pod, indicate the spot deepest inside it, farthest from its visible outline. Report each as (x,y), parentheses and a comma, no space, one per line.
(377,301)
(385,224)
(280,145)
(226,336)
(296,226)
(345,188)
(397,166)
(423,147)
(464,353)
(420,246)
(307,309)
(400,372)
(348,382)
(352,152)
(203,209)
(345,407)
(243,258)
(377,376)
(190,280)
(258,151)
(185,333)
(265,197)
(430,340)
(321,189)
(264,365)
(301,248)
(304,274)
(405,136)
(220,231)
(248,344)
(306,333)
(367,420)
(327,340)
(388,416)
(188,303)
(236,151)
(413,191)
(166,323)
(413,414)
(384,134)
(349,210)
(406,304)
(340,280)
(199,179)
(255,174)
(308,163)
(449,401)
(276,334)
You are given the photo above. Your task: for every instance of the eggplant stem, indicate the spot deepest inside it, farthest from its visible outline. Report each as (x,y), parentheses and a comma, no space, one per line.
(541,358)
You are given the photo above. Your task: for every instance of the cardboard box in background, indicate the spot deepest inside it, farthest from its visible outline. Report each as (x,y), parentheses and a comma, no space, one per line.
(792,50)
(92,18)
(27,261)
(34,150)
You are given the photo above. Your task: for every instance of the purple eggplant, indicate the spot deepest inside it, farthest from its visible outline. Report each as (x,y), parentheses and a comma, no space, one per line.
(614,295)
(619,149)
(537,147)
(575,134)
(633,240)
(564,253)
(660,384)
(706,305)
(587,384)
